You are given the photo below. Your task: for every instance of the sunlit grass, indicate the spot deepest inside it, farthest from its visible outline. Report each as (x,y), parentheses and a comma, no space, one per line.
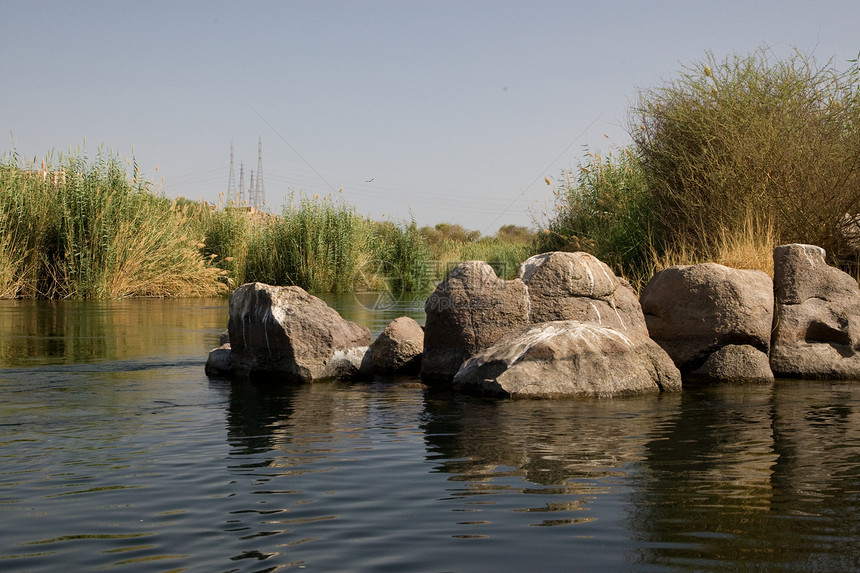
(85,230)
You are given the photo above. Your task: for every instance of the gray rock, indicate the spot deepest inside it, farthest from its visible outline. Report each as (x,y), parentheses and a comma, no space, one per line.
(287,334)
(470,310)
(219,362)
(350,363)
(693,311)
(736,364)
(398,348)
(817,329)
(578,286)
(569,359)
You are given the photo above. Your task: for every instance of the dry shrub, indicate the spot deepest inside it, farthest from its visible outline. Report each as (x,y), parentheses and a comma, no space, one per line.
(747,135)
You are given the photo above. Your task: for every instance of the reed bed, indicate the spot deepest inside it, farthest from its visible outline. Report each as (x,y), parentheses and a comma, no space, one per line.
(319,243)
(86,230)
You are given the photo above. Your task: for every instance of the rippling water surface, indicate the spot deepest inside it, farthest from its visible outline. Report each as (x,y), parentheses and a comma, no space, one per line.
(118,453)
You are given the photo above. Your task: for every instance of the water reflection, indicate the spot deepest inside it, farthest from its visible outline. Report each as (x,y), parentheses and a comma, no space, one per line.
(111,434)
(375,310)
(765,475)
(272,417)
(72,332)
(550,441)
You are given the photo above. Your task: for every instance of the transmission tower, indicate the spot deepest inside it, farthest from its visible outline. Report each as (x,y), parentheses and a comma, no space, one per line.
(241,183)
(259,192)
(232,195)
(251,191)
(256,192)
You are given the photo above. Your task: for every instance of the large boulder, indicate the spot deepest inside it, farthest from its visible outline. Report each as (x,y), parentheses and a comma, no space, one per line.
(693,311)
(399,347)
(569,359)
(817,329)
(287,334)
(470,310)
(578,286)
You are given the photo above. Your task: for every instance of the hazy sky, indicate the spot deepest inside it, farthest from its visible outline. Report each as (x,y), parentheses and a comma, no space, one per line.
(457,111)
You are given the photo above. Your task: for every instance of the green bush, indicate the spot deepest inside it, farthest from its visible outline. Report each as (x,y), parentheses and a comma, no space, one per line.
(604,209)
(751,138)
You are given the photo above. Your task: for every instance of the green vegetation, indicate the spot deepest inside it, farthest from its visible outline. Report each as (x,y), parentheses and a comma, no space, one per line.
(82,230)
(320,244)
(452,244)
(86,230)
(605,210)
(728,160)
(324,245)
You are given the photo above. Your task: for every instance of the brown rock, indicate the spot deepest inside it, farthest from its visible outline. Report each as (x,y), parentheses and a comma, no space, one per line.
(734,364)
(399,347)
(578,286)
(695,310)
(470,310)
(219,362)
(288,334)
(817,330)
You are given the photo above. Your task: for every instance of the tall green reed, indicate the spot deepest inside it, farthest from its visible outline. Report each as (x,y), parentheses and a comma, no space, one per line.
(604,208)
(86,230)
(320,244)
(403,257)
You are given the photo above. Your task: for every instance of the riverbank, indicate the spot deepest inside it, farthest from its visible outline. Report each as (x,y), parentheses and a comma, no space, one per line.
(79,229)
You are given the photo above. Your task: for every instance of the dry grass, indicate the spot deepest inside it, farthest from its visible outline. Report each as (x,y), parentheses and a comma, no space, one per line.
(752,248)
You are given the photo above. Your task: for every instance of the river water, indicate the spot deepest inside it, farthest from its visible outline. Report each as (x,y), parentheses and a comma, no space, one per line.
(117,453)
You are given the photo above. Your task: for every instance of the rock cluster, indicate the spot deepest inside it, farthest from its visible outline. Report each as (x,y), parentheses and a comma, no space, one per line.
(727,325)
(567,326)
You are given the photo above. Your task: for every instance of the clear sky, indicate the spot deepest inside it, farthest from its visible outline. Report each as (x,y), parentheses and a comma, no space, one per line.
(439,110)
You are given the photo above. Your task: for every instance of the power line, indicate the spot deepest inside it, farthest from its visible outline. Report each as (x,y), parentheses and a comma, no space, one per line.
(551,163)
(296,152)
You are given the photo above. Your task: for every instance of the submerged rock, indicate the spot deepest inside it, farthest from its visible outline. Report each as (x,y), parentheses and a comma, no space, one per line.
(817,330)
(399,347)
(220,361)
(693,311)
(569,359)
(287,334)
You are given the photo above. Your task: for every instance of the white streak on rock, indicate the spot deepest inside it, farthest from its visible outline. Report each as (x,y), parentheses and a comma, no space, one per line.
(590,277)
(599,318)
